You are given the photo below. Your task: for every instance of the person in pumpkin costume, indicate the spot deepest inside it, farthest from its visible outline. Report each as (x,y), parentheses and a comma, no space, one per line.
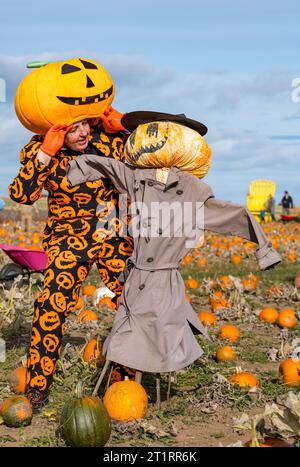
(83,227)
(167,158)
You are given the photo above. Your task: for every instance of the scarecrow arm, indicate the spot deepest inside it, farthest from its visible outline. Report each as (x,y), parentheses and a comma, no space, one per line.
(92,167)
(227,218)
(27,187)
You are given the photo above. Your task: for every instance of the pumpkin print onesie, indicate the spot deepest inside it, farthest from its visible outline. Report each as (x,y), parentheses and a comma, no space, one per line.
(83,228)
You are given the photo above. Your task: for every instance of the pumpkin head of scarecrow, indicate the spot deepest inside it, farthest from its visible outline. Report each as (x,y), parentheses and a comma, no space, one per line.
(164,140)
(63,92)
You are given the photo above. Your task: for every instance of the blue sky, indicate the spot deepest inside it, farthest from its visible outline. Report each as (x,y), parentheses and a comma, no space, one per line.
(228,63)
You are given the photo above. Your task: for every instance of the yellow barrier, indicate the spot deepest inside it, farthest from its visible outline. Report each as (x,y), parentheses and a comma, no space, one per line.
(257,199)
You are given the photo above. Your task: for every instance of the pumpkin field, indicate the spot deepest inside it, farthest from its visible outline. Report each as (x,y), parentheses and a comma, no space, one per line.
(245,387)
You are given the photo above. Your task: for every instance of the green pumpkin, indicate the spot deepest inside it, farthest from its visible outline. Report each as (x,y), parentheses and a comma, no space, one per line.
(16,411)
(84,421)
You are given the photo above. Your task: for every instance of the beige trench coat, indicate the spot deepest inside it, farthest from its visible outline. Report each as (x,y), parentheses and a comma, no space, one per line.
(154,326)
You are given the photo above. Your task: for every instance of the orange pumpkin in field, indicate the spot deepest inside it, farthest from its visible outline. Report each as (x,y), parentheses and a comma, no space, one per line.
(17,380)
(207,318)
(236,259)
(88,290)
(92,351)
(192,283)
(229,332)
(126,401)
(202,262)
(88,315)
(225,354)
(269,315)
(287,318)
(79,304)
(290,371)
(244,380)
(106,301)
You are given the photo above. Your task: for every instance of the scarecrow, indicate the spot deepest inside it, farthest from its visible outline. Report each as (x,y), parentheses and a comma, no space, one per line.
(68,104)
(166,156)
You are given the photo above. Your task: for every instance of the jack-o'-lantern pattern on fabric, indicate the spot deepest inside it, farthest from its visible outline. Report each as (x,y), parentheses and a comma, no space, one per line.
(63,92)
(75,237)
(168,144)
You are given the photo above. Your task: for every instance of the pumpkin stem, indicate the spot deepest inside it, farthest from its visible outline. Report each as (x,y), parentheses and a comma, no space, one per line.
(79,390)
(126,378)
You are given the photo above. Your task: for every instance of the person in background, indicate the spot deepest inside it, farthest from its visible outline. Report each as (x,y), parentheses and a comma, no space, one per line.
(286,203)
(271,207)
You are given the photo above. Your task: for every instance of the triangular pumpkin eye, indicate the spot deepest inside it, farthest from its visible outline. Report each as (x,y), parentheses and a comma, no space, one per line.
(88,65)
(69,69)
(89,82)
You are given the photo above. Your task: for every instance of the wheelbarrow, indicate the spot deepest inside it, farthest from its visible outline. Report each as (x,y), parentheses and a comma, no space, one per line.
(287,218)
(25,262)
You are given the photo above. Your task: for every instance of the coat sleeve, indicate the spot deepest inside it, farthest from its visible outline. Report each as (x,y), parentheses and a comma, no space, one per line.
(90,167)
(227,218)
(27,186)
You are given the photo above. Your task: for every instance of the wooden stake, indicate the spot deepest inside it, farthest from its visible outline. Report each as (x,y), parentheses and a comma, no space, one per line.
(104,370)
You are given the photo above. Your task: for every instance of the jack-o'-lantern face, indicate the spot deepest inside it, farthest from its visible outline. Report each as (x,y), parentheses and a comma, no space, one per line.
(115,264)
(35,338)
(47,366)
(58,301)
(63,92)
(39,382)
(168,144)
(51,342)
(65,280)
(49,321)
(34,357)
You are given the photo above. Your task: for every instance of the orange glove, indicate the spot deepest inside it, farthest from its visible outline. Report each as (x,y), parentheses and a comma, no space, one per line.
(111,120)
(54,139)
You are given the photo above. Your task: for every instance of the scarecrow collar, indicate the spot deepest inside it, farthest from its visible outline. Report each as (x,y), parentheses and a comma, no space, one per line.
(141,175)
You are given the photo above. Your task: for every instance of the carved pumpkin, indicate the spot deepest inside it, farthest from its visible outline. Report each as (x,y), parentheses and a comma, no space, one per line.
(49,321)
(63,92)
(126,401)
(16,411)
(168,144)
(84,421)
(17,380)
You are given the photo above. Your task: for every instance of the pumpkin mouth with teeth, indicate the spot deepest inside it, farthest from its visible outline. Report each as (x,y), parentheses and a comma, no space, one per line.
(168,144)
(149,148)
(87,100)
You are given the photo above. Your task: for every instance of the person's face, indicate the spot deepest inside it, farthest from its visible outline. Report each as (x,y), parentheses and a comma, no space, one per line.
(77,138)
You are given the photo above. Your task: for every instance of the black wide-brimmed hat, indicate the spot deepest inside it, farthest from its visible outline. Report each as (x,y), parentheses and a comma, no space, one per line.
(132,120)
